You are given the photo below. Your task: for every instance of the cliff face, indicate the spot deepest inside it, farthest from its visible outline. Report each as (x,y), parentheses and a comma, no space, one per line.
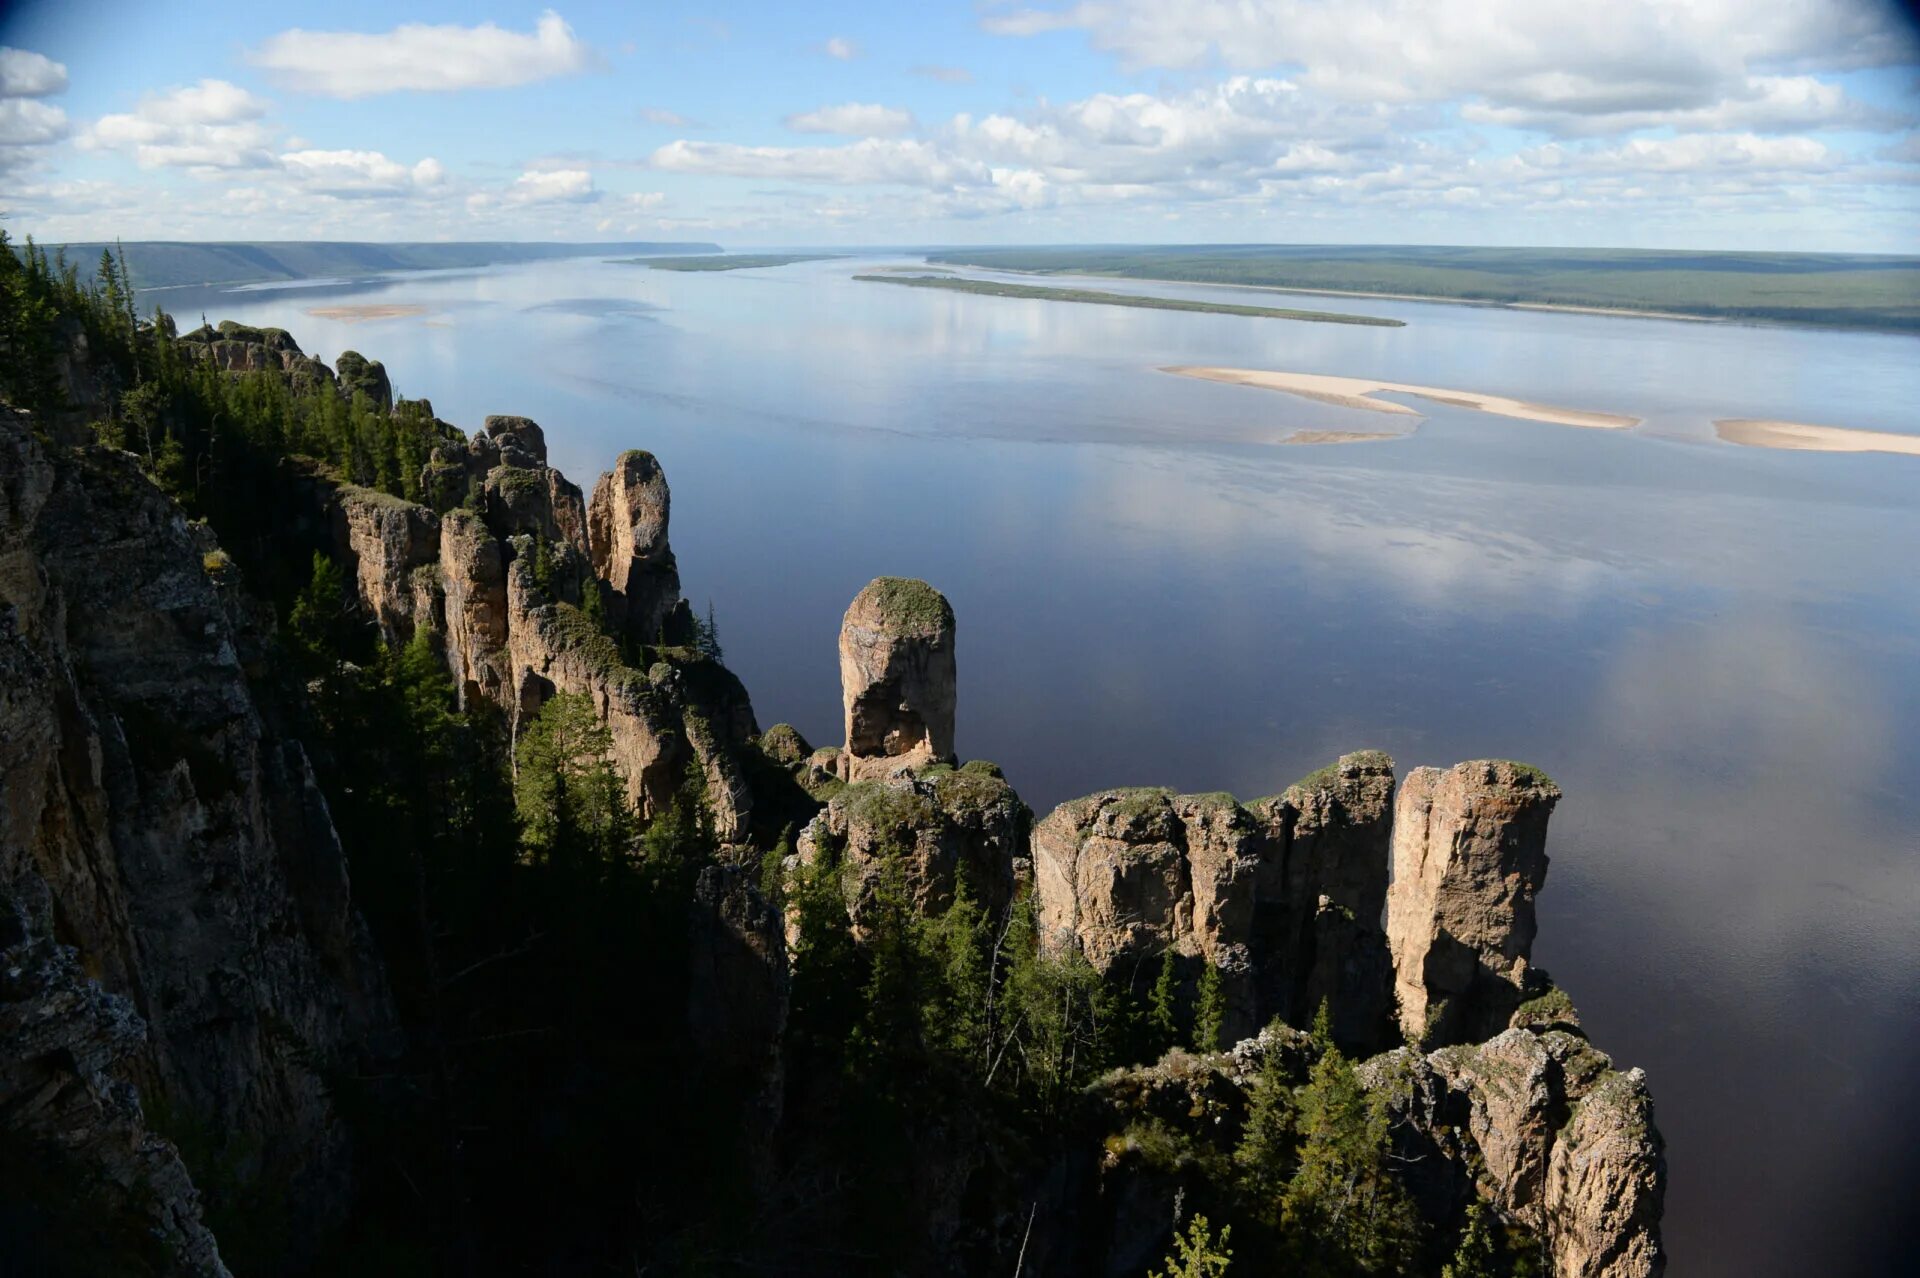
(159,826)
(504,584)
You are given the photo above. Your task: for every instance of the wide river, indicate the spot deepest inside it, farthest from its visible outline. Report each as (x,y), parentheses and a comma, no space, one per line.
(1714,649)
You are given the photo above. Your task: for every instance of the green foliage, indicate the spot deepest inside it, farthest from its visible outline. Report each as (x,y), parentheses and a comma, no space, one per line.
(572,804)
(1210,1011)
(1344,1211)
(996,288)
(1847,289)
(1265,1160)
(1196,1253)
(1163,1018)
(1477,1256)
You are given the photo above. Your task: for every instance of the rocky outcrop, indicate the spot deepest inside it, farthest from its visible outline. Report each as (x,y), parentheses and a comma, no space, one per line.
(368,377)
(627,537)
(77,1126)
(1542,1128)
(897,678)
(180,842)
(473,581)
(241,348)
(1319,926)
(934,827)
(1283,895)
(1469,855)
(1127,875)
(389,543)
(737,996)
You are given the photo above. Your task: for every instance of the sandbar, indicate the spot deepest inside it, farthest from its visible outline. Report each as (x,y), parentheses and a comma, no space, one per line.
(1341,436)
(1756,432)
(1358,392)
(356,314)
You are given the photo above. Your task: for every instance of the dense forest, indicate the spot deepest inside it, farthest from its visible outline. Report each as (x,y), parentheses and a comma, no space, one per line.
(542,1114)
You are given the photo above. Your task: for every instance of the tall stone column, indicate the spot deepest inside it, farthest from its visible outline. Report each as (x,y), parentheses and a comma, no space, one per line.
(1469,856)
(896,678)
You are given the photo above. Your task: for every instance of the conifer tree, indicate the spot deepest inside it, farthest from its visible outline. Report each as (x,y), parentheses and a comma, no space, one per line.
(1210,1012)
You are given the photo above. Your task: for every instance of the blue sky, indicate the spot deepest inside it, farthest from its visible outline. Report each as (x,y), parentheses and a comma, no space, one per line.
(1703,123)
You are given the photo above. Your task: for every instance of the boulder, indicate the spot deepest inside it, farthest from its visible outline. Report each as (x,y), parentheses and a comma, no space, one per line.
(897,678)
(1469,856)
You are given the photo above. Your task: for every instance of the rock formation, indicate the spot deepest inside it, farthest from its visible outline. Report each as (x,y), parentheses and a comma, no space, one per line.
(1544,1129)
(896,678)
(936,824)
(1469,855)
(181,844)
(627,535)
(504,587)
(1283,895)
(368,377)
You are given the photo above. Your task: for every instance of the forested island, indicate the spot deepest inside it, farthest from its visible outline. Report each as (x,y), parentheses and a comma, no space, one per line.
(395,879)
(1844,290)
(1096,297)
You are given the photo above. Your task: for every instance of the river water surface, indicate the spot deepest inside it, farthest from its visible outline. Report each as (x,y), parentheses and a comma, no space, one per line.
(1713,649)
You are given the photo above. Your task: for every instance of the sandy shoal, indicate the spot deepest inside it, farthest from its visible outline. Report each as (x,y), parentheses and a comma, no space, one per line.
(1357,392)
(1339,436)
(355,314)
(1760,433)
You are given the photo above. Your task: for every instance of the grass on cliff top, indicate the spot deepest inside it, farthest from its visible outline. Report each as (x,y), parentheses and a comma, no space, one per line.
(724,261)
(1533,776)
(995,288)
(573,631)
(911,604)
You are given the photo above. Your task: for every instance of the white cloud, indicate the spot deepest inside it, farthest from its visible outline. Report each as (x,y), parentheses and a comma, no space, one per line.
(211,125)
(360,174)
(552,186)
(1541,60)
(871,161)
(351,64)
(666,118)
(24,122)
(25,74)
(840,47)
(854,119)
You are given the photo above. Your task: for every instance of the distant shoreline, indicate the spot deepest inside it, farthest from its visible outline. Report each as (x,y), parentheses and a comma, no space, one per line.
(1139,301)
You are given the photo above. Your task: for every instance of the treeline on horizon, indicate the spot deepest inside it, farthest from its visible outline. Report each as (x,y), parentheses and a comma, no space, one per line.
(158,264)
(1880,291)
(546,1113)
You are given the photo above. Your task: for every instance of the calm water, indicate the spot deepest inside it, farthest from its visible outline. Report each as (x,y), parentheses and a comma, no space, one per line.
(1713,649)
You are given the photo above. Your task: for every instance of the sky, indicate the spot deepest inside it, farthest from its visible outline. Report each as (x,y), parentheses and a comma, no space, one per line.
(1757,124)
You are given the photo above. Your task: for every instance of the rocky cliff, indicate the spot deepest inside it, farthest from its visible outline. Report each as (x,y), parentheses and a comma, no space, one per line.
(160,833)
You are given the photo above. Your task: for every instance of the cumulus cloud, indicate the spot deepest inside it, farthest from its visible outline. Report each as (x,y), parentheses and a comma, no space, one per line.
(854,119)
(870,161)
(351,64)
(25,122)
(840,47)
(552,186)
(1543,63)
(211,125)
(360,174)
(25,74)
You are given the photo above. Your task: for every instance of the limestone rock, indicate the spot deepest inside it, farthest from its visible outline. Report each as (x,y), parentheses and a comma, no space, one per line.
(388,541)
(1125,875)
(932,823)
(1606,1185)
(369,377)
(61,1106)
(737,997)
(627,537)
(1469,855)
(185,848)
(473,576)
(897,678)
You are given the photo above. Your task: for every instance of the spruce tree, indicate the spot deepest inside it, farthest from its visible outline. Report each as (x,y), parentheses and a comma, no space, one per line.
(1162,1011)
(1210,1013)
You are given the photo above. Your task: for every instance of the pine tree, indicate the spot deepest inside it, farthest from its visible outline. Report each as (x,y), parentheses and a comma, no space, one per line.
(1477,1256)
(1162,1011)
(1264,1159)
(1210,1013)
(1196,1253)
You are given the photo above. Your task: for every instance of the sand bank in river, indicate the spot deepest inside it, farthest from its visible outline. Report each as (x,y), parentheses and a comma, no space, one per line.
(1340,436)
(355,314)
(1357,392)
(1760,433)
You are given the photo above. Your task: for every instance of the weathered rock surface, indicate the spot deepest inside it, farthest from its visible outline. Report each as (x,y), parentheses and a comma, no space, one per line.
(64,1111)
(737,998)
(183,845)
(1469,855)
(1283,895)
(932,826)
(897,678)
(389,542)
(627,536)
(1545,1130)
(367,376)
